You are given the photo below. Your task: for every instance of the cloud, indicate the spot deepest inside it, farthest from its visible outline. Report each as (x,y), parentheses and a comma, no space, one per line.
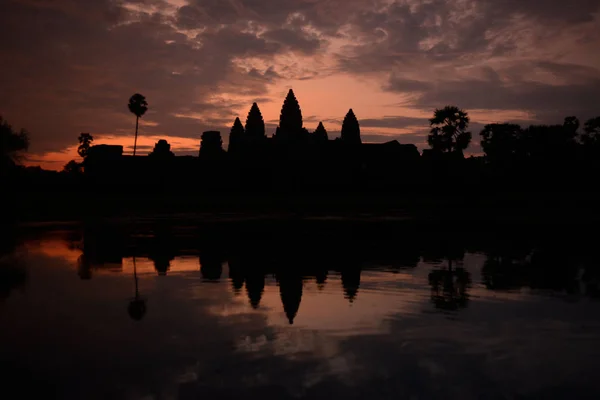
(70,66)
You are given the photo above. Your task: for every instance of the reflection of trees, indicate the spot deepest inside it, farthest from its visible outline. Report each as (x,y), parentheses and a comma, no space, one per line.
(449,288)
(12,276)
(556,267)
(137,306)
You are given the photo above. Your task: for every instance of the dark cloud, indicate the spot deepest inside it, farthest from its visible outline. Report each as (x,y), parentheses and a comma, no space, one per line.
(393,122)
(70,66)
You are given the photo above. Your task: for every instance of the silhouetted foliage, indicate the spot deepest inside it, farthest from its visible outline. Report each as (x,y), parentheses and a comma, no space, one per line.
(211,145)
(320,134)
(85,141)
(255,125)
(500,142)
(162,149)
(236,137)
(571,126)
(350,129)
(73,168)
(591,135)
(137,106)
(12,143)
(448,130)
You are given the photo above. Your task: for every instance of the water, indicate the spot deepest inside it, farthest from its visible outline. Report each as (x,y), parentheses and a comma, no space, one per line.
(214,317)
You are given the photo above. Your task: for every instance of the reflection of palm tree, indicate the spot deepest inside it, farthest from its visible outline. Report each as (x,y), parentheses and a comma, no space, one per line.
(137,306)
(449,287)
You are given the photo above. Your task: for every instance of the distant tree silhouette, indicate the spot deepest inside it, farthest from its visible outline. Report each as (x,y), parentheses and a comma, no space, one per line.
(350,129)
(290,119)
(236,136)
(591,135)
(137,106)
(85,141)
(12,143)
(320,134)
(500,142)
(73,168)
(162,149)
(448,130)
(571,126)
(255,125)
(211,145)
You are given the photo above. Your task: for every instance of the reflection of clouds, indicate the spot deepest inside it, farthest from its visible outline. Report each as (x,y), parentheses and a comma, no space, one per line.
(199,337)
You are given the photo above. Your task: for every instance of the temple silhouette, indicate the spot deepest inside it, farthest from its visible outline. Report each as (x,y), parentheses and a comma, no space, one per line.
(292,158)
(293,255)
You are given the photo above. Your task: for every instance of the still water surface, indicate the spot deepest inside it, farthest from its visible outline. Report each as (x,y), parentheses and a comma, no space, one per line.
(149,317)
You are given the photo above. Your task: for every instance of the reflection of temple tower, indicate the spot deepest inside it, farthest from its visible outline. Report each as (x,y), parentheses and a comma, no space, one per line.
(162,262)
(449,288)
(255,285)
(210,265)
(321,278)
(236,276)
(290,289)
(161,249)
(351,282)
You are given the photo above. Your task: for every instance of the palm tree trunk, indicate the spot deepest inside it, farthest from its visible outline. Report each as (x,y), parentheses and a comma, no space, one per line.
(136,279)
(137,119)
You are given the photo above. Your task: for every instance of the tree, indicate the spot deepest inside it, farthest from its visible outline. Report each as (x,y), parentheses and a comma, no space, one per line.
(351,129)
(236,135)
(137,106)
(591,135)
(72,168)
(162,149)
(500,142)
(448,130)
(12,143)
(290,120)
(85,140)
(571,126)
(255,125)
(320,134)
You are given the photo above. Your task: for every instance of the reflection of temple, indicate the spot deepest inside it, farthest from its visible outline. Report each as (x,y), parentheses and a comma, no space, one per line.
(290,289)
(351,282)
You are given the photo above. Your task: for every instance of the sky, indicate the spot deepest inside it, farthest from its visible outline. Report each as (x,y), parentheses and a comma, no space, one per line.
(70,66)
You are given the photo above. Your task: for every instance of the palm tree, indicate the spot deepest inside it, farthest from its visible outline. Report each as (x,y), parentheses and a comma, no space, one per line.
(448,130)
(138,106)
